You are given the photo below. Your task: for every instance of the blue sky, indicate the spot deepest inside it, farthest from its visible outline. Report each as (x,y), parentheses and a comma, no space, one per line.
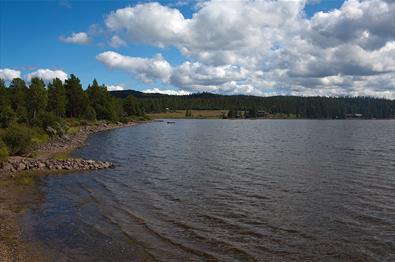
(30,31)
(30,35)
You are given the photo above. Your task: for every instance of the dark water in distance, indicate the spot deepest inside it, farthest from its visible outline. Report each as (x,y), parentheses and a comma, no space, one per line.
(207,190)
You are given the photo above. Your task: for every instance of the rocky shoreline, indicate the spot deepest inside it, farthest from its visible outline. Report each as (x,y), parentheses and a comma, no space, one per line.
(16,164)
(43,157)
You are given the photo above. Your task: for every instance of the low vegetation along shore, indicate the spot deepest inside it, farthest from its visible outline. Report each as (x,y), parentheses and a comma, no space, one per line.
(53,155)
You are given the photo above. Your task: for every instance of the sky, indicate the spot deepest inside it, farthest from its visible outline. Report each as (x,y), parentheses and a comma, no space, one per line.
(264,48)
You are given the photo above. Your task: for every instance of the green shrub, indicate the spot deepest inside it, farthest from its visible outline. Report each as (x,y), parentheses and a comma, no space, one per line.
(3,151)
(72,130)
(7,116)
(124,120)
(18,138)
(72,122)
(83,122)
(39,137)
(53,125)
(89,114)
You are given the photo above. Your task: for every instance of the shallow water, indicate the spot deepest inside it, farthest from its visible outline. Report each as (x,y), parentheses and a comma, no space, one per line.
(227,190)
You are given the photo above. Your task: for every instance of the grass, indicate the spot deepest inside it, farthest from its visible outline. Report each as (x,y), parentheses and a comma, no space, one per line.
(5,182)
(40,139)
(203,114)
(62,155)
(73,130)
(24,179)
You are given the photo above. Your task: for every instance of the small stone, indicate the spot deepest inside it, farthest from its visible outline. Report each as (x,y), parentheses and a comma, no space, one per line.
(21,166)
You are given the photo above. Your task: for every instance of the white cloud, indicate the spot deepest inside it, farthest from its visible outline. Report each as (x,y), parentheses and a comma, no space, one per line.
(47,75)
(167,92)
(9,74)
(117,87)
(80,38)
(149,22)
(197,77)
(147,70)
(263,47)
(116,42)
(369,24)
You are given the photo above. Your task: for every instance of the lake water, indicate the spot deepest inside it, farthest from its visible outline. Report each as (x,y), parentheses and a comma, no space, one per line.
(226,190)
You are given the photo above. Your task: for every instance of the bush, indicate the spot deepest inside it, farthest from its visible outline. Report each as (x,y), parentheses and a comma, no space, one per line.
(71,122)
(39,137)
(124,120)
(89,114)
(3,151)
(52,124)
(7,116)
(72,130)
(83,122)
(18,138)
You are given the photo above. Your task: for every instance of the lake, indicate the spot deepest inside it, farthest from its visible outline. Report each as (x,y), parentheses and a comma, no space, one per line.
(226,190)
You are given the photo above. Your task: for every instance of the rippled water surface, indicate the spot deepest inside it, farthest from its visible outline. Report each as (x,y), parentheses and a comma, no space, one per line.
(198,190)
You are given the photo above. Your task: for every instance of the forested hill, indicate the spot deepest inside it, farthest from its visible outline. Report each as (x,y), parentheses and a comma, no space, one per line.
(303,107)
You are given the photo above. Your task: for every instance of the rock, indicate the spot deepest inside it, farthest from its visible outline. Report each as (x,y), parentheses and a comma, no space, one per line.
(7,167)
(21,166)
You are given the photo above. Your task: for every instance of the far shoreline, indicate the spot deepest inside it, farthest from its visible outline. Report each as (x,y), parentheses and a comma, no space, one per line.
(223,114)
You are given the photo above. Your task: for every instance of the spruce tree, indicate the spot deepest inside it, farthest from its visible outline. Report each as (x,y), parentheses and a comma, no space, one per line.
(76,101)
(38,97)
(57,98)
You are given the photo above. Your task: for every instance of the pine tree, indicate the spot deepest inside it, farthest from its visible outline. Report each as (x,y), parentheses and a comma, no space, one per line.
(4,96)
(18,92)
(57,98)
(100,100)
(131,106)
(38,97)
(76,101)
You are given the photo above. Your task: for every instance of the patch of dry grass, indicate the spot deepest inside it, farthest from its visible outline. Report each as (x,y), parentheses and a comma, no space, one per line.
(203,114)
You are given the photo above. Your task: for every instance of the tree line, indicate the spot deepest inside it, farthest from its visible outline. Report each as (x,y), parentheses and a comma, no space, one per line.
(30,104)
(297,106)
(31,113)
(36,103)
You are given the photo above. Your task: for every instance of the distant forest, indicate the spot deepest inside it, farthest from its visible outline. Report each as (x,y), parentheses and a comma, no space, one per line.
(38,103)
(300,107)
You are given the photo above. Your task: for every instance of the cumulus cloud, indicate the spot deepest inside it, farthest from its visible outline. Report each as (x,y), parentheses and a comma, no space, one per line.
(147,70)
(263,47)
(197,77)
(80,38)
(369,24)
(9,74)
(47,75)
(166,92)
(148,23)
(188,77)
